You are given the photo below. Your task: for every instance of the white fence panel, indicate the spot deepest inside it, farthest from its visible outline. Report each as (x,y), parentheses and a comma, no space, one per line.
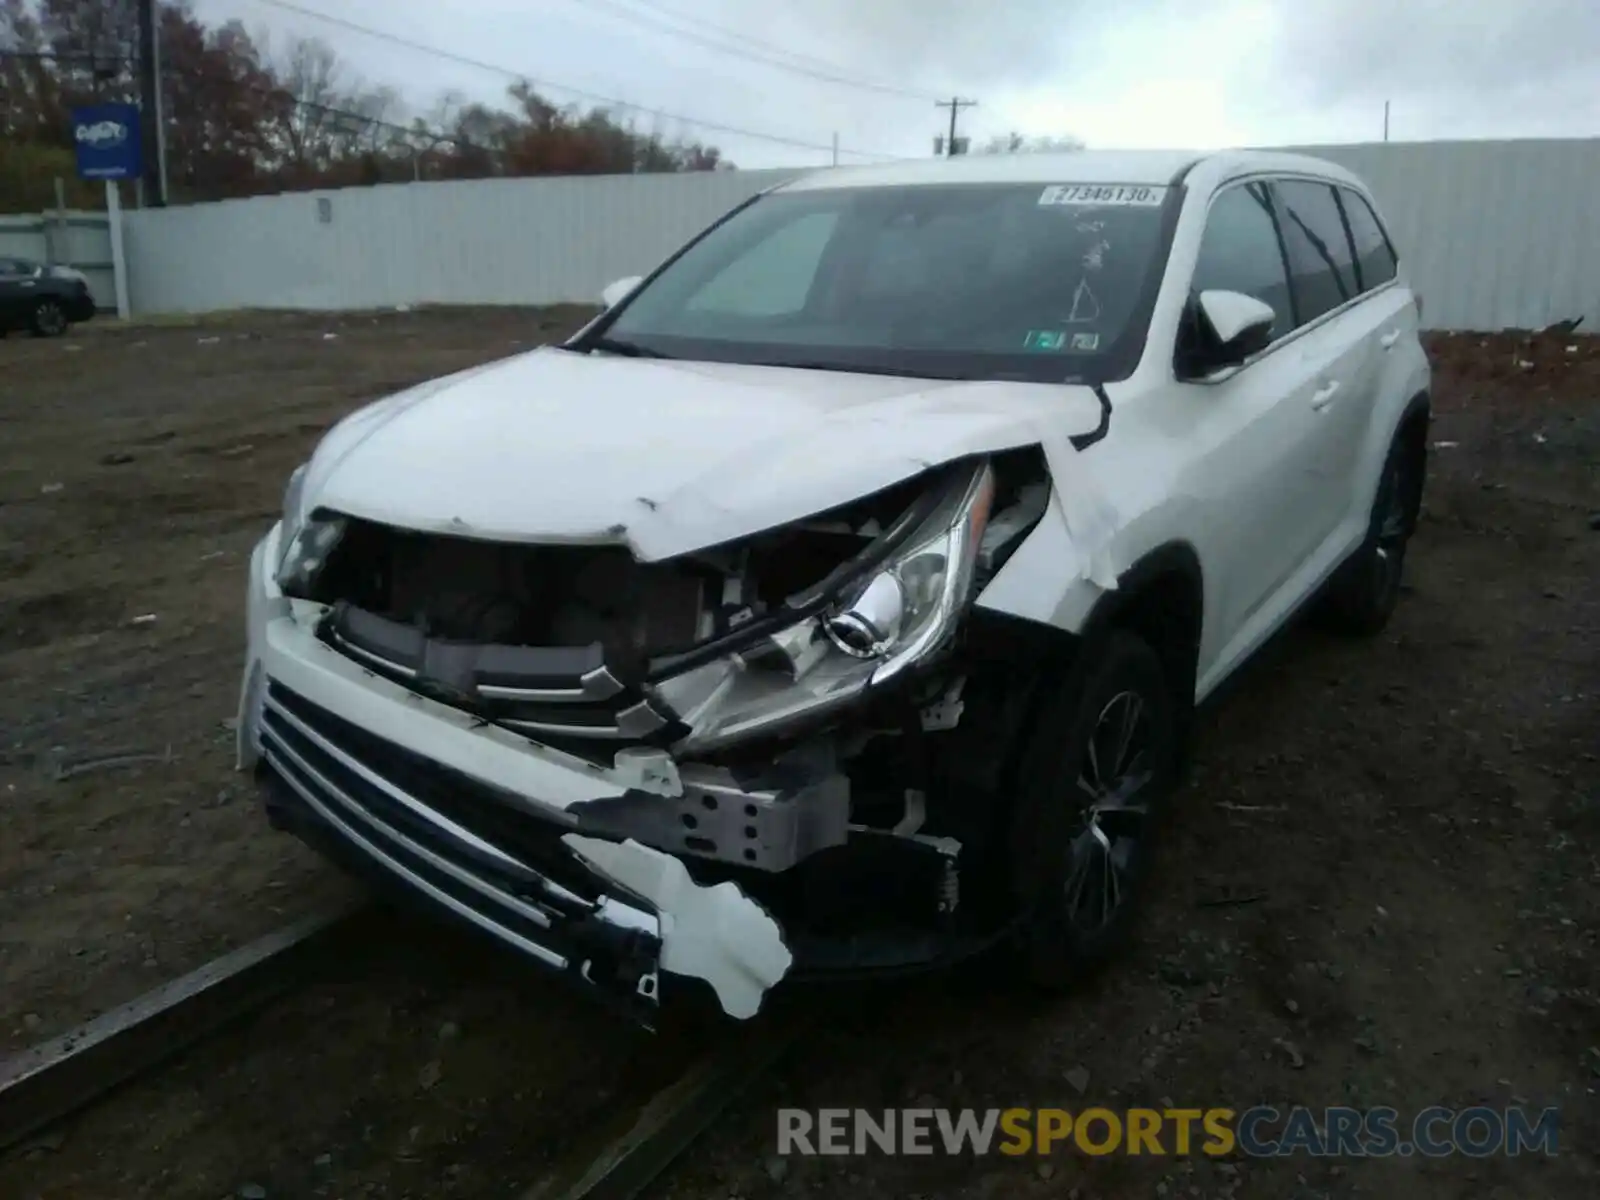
(491,241)
(1495,234)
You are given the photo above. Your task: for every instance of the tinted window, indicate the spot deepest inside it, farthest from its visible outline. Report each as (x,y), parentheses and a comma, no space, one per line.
(1320,262)
(1013,281)
(1374,256)
(1239,252)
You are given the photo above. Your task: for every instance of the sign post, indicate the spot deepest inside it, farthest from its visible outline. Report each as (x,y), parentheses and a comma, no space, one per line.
(119,258)
(109,148)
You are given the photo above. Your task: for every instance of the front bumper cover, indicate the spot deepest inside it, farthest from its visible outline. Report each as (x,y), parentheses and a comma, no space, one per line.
(612,915)
(476,823)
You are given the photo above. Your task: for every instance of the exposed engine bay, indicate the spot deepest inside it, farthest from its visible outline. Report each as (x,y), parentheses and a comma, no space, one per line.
(534,595)
(783,694)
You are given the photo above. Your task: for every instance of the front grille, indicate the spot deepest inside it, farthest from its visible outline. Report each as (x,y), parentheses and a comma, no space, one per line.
(560,695)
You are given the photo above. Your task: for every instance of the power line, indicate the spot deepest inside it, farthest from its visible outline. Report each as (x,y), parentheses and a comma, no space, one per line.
(750,48)
(522,76)
(735,35)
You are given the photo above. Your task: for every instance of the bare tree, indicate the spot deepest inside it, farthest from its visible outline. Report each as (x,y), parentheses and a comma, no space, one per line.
(325,115)
(1016,143)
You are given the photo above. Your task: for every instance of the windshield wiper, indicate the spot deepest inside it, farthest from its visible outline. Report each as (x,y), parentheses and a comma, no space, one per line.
(624,348)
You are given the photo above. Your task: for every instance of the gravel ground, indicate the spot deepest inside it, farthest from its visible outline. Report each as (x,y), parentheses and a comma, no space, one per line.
(1379,888)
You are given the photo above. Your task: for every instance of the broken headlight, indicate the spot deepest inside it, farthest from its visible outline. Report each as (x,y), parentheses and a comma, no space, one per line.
(305,542)
(893,617)
(906,610)
(293,497)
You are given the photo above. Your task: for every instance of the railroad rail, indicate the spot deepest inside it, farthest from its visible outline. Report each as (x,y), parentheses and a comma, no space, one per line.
(55,1079)
(41,1085)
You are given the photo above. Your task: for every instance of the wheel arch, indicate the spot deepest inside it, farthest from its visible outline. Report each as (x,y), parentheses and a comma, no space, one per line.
(1411,423)
(1412,430)
(1161,598)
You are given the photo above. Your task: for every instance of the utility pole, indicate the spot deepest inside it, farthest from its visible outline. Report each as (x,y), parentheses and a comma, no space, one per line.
(1386,120)
(836,149)
(955,104)
(155,134)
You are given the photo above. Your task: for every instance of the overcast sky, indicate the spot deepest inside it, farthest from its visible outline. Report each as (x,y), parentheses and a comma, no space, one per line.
(1147,73)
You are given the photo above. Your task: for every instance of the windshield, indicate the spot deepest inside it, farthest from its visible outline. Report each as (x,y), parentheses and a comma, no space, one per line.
(1008,281)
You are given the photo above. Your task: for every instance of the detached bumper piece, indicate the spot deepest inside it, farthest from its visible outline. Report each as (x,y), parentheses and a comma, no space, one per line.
(456,845)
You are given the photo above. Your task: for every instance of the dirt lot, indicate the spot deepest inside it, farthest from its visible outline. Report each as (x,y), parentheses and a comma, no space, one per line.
(1379,889)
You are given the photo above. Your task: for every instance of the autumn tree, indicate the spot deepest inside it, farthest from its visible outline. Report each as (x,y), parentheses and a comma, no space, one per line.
(242,117)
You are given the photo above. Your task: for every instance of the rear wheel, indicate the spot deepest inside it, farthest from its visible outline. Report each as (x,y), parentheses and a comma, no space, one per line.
(1094,779)
(49,318)
(1363,594)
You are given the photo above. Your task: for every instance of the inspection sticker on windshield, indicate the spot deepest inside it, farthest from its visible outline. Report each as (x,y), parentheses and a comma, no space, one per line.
(1114,195)
(1059,339)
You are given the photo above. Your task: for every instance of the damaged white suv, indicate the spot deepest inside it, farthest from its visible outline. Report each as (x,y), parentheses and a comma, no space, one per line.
(837,600)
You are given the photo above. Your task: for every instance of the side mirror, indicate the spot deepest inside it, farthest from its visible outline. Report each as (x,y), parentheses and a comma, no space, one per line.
(1228,327)
(618,291)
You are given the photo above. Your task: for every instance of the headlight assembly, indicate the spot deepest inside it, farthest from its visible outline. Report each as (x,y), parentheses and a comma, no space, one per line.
(306,541)
(293,497)
(908,609)
(308,553)
(895,616)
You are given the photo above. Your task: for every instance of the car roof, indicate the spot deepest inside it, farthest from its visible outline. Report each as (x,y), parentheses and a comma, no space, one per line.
(1148,167)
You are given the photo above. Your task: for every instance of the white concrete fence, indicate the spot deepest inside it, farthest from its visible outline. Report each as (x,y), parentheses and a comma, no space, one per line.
(1495,235)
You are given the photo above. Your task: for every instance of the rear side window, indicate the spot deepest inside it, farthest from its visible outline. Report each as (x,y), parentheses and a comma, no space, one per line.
(1375,259)
(1239,252)
(1321,264)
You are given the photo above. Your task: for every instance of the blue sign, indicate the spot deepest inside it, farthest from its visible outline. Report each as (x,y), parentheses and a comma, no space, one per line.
(107,139)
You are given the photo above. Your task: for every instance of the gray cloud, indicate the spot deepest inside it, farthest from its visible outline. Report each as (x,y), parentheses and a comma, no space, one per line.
(1341,49)
(958,44)
(1253,71)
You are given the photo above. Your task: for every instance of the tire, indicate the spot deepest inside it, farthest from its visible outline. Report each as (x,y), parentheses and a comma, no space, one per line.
(1062,840)
(49,318)
(1364,592)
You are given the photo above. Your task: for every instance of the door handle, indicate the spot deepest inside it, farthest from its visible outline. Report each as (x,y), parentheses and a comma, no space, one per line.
(1388,340)
(1323,396)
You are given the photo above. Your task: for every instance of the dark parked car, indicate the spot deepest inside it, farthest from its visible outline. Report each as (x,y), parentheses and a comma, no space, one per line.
(42,299)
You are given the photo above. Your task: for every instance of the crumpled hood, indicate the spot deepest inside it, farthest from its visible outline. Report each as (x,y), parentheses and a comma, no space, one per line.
(665,456)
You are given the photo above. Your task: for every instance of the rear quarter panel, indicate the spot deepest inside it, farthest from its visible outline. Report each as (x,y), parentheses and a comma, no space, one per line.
(1403,374)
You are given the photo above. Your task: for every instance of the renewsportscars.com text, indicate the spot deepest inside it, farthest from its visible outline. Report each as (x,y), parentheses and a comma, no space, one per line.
(1260,1131)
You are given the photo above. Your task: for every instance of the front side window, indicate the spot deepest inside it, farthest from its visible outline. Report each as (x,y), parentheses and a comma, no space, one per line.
(1321,265)
(1375,258)
(970,281)
(1240,252)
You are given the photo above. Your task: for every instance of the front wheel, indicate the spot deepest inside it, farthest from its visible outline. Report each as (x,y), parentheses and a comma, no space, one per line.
(1094,778)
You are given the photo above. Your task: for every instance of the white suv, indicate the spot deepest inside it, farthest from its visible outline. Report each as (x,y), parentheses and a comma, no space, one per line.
(838,599)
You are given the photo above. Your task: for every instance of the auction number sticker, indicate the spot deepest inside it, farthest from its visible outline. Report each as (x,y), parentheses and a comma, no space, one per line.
(1115,195)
